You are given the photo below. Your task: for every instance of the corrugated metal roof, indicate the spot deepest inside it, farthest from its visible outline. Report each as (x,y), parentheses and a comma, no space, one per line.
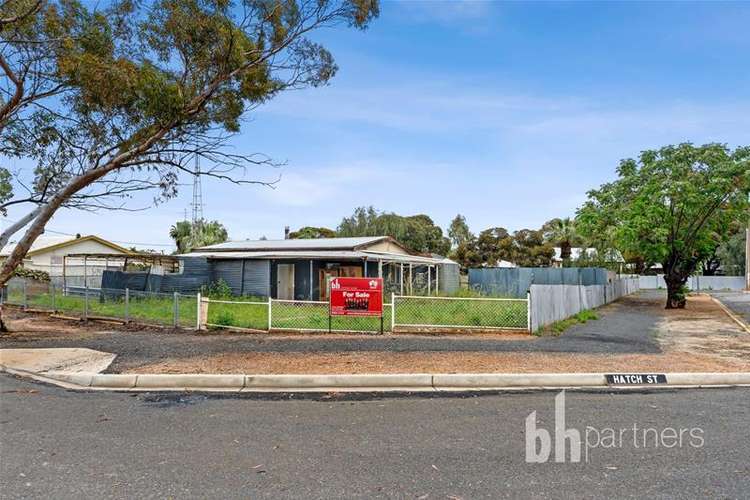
(317,254)
(292,244)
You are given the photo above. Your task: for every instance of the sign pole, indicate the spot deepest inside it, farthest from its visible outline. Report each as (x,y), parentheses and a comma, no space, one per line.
(328,285)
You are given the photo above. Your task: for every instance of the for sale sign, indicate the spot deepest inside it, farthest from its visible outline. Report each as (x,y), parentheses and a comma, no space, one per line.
(356,297)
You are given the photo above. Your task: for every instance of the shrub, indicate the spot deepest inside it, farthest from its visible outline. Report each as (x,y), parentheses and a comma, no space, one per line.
(225,318)
(218,290)
(34,274)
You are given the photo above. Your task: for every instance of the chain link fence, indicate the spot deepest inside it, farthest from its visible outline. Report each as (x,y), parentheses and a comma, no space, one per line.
(458,313)
(165,309)
(288,315)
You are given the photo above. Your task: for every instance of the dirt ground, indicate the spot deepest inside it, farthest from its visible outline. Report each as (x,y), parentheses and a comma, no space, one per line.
(632,335)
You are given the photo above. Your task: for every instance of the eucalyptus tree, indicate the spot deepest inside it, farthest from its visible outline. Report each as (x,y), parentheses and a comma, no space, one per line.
(141,89)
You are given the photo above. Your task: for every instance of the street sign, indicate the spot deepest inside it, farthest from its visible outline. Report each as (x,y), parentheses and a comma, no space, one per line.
(636,378)
(356,297)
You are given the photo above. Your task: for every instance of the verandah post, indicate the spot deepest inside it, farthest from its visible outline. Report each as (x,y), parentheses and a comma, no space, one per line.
(127,305)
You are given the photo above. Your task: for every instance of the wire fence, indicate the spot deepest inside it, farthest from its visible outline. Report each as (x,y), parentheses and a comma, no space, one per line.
(416,312)
(406,313)
(165,309)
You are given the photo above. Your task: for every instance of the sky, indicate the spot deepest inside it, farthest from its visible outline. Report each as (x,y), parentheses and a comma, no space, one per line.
(507,113)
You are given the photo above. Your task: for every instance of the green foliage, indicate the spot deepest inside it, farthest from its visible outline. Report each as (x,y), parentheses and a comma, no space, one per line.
(130,93)
(561,232)
(224,318)
(417,232)
(459,232)
(33,274)
(673,206)
(219,289)
(558,327)
(188,236)
(731,254)
(309,233)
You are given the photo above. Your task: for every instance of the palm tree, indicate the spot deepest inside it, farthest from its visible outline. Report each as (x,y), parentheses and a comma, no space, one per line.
(563,233)
(181,232)
(188,236)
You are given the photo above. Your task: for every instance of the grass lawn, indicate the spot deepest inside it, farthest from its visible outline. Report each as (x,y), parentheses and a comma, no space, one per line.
(143,308)
(411,311)
(468,313)
(252,313)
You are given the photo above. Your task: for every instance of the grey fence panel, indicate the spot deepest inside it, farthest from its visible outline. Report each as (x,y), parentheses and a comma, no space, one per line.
(550,303)
(736,283)
(515,281)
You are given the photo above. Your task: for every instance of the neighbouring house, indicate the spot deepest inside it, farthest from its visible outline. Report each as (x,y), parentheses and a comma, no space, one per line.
(58,254)
(299,269)
(505,263)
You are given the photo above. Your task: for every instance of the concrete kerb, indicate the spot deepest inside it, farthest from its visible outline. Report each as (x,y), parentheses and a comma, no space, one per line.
(742,324)
(364,382)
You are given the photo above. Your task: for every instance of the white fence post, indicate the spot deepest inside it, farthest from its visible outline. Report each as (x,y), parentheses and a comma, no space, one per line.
(175,309)
(393,312)
(198,307)
(270,308)
(25,295)
(127,305)
(528,310)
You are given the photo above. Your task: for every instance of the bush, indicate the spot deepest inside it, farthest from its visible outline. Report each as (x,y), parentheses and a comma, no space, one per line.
(34,274)
(218,290)
(225,318)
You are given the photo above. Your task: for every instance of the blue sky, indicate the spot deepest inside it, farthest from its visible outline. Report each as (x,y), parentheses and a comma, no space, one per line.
(504,112)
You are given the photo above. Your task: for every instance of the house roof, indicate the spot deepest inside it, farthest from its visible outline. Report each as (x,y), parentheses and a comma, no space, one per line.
(356,243)
(46,243)
(320,254)
(576,252)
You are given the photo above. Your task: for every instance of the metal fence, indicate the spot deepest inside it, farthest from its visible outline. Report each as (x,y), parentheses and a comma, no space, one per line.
(550,303)
(735,283)
(166,309)
(286,315)
(405,313)
(459,313)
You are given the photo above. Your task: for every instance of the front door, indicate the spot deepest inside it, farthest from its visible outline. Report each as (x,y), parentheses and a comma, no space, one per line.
(344,271)
(285,281)
(324,275)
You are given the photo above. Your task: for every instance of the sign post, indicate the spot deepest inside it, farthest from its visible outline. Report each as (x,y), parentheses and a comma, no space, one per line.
(355,297)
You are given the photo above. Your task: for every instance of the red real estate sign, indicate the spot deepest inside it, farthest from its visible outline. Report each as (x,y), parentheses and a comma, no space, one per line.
(356,297)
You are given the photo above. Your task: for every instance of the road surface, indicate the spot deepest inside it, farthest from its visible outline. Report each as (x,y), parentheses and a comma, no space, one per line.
(61,444)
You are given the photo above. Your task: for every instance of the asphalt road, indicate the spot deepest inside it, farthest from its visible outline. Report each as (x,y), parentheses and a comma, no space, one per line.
(60,444)
(738,302)
(626,326)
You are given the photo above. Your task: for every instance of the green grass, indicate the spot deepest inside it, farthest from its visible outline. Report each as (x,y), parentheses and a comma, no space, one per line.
(558,327)
(468,313)
(142,308)
(252,312)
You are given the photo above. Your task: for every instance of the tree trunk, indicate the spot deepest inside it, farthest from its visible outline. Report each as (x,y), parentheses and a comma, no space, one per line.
(565,250)
(676,298)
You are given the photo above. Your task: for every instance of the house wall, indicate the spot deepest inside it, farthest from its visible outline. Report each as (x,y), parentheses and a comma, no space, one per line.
(244,276)
(52,261)
(387,246)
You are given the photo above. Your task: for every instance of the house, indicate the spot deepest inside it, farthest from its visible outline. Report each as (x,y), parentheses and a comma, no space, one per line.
(49,253)
(299,269)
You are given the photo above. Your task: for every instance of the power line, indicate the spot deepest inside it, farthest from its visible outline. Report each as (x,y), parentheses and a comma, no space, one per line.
(113,241)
